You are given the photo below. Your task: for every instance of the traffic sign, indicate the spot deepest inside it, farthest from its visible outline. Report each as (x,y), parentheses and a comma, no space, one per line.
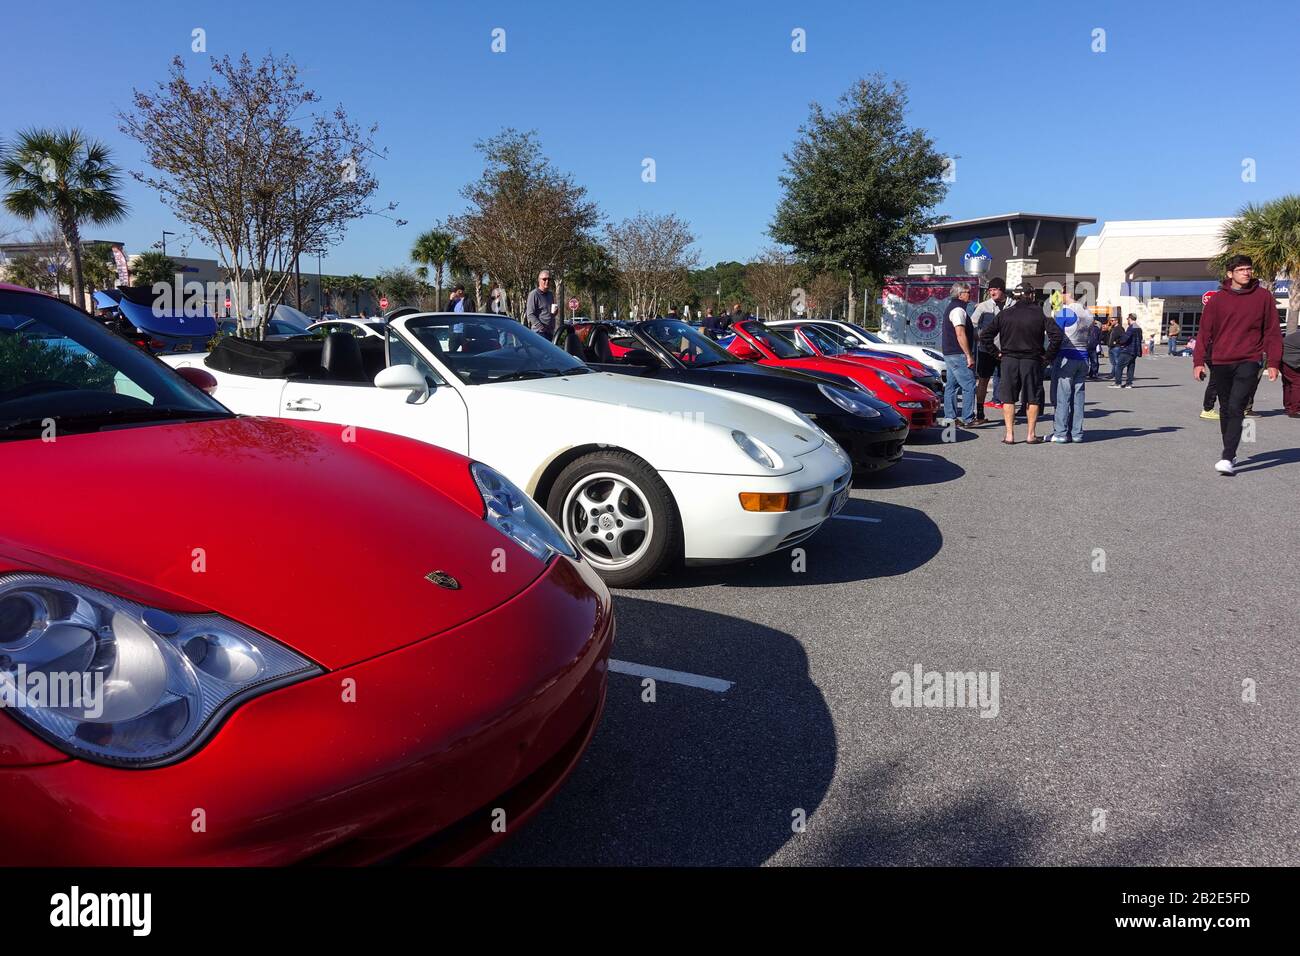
(573,305)
(1205,299)
(383,302)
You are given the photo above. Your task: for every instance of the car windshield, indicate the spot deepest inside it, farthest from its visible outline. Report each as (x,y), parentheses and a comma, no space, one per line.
(62,372)
(481,349)
(686,344)
(782,343)
(869,336)
(826,344)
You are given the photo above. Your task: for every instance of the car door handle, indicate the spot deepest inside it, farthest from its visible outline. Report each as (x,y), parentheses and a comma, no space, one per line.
(301,405)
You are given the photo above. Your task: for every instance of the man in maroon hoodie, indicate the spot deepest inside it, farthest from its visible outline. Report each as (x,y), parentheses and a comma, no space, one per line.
(1239,327)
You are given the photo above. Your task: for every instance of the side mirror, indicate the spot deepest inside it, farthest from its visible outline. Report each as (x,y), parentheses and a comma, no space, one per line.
(744,350)
(404,378)
(642,358)
(199,378)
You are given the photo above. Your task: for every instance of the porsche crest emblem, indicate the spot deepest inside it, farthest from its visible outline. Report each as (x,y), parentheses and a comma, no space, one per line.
(443,580)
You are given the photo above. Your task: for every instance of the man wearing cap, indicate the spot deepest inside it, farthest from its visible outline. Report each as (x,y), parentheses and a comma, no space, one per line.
(1021,329)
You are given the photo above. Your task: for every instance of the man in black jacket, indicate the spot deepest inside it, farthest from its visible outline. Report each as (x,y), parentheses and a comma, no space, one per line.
(1021,330)
(1124,358)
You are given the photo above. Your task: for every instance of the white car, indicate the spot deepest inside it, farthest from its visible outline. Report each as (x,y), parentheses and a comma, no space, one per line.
(638,473)
(848,336)
(361,328)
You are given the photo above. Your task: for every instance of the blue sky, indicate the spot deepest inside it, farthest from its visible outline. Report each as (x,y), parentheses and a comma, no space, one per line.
(1157,126)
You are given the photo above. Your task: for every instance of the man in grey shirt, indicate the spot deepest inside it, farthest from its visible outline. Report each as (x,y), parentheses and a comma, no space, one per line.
(986,362)
(539,312)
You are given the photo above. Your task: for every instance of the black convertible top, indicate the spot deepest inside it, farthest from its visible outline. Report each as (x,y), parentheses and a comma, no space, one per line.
(258,359)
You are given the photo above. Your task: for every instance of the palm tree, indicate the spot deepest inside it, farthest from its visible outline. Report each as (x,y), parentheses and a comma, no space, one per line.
(151,267)
(593,272)
(355,285)
(63,175)
(97,263)
(1270,234)
(434,248)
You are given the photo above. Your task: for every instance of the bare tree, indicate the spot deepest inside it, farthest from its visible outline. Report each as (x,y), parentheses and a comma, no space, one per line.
(255,166)
(524,215)
(825,291)
(771,282)
(653,256)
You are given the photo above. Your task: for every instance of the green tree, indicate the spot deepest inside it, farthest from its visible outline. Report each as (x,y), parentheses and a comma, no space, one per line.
(31,271)
(1270,234)
(67,177)
(98,265)
(400,284)
(593,274)
(150,267)
(860,186)
(434,250)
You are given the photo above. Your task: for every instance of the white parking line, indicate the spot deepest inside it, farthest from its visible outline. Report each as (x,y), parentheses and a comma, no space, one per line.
(714,684)
(857,518)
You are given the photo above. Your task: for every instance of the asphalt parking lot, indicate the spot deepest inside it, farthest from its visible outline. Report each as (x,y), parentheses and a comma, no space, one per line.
(1120,735)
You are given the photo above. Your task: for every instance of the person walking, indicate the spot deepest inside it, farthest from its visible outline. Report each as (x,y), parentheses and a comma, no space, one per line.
(712,324)
(1114,333)
(1124,356)
(1291,374)
(1071,369)
(1174,330)
(1211,394)
(540,309)
(959,357)
(986,361)
(1021,329)
(1239,325)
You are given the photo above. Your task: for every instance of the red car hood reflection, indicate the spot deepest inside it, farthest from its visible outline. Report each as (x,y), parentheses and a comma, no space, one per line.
(320,542)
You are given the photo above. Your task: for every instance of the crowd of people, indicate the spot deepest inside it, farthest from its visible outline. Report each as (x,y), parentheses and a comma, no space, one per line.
(1006,352)
(1014,347)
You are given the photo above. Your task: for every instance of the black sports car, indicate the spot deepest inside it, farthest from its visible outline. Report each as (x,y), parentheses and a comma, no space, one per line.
(869,430)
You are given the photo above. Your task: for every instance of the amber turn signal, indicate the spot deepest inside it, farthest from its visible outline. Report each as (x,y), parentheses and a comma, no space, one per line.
(763,501)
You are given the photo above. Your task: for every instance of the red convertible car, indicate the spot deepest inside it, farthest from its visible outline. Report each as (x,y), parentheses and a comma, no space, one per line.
(754,341)
(290,642)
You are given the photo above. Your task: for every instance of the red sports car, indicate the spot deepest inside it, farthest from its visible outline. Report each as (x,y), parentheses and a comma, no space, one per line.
(808,338)
(754,341)
(233,640)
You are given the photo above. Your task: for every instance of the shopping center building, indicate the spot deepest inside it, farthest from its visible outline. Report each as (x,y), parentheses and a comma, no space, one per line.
(1156,269)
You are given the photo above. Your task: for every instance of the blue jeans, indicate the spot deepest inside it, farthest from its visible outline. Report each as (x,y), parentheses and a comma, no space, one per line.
(1173,345)
(1070,375)
(962,376)
(1094,362)
(1124,360)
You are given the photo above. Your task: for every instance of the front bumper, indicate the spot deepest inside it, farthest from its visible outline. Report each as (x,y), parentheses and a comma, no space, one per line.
(491,714)
(869,450)
(716,529)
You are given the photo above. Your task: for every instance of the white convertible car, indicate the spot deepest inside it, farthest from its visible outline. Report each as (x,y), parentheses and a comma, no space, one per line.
(638,473)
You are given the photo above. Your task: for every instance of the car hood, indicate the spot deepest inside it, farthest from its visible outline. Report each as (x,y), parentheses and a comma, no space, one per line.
(318,541)
(695,421)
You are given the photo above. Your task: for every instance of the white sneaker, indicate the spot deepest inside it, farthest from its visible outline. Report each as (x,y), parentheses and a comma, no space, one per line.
(1060,441)
(1225,467)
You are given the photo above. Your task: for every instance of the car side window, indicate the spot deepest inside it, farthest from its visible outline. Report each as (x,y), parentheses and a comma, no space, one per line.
(401,353)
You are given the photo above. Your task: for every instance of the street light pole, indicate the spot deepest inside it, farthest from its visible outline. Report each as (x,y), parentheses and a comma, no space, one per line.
(164,241)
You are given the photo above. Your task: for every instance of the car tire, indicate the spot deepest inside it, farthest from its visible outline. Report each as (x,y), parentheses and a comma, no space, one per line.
(634,531)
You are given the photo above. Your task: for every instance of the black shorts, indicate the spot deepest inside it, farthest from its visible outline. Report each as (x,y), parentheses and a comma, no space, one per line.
(1021,382)
(985,365)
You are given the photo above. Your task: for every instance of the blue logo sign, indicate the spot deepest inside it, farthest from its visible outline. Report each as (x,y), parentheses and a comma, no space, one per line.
(975,250)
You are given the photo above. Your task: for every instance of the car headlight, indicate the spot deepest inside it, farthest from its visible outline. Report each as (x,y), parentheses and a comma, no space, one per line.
(755,450)
(848,401)
(116,682)
(911,404)
(933,354)
(517,516)
(890,381)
